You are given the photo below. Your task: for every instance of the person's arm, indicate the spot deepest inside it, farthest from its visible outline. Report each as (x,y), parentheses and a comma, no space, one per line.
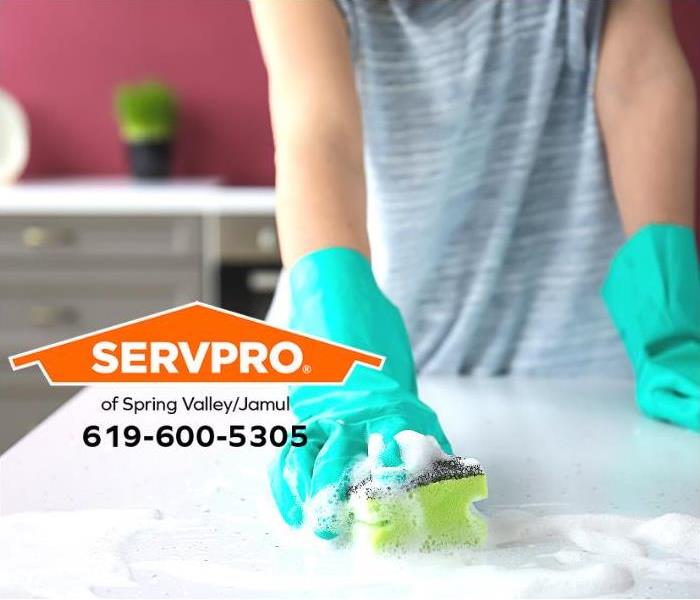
(646,107)
(317,126)
(645,100)
(321,216)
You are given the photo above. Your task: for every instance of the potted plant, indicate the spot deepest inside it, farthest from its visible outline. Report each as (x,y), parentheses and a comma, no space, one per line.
(147,115)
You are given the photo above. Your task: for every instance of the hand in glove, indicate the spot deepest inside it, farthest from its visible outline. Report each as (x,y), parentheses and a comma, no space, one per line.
(653,295)
(334,296)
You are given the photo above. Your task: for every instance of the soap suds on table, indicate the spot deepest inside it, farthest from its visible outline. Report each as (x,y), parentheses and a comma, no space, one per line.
(62,554)
(107,553)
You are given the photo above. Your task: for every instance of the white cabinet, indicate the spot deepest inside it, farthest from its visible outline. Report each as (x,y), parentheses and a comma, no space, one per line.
(80,255)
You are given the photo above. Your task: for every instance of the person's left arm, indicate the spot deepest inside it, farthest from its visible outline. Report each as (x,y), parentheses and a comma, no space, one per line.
(645,100)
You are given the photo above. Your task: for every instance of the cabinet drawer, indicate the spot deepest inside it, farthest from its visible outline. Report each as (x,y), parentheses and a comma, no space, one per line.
(249,240)
(39,308)
(70,237)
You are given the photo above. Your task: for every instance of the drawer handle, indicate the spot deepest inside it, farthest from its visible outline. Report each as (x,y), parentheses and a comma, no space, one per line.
(44,237)
(262,281)
(266,239)
(52,316)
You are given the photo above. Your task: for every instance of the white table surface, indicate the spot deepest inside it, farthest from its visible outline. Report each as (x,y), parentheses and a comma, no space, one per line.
(126,196)
(560,446)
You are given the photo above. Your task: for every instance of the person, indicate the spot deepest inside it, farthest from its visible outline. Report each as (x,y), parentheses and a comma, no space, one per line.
(505,158)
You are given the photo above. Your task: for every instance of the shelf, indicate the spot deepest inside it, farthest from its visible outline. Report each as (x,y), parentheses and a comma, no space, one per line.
(124,196)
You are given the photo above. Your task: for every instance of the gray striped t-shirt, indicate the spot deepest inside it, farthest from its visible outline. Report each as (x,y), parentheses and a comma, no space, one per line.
(491,214)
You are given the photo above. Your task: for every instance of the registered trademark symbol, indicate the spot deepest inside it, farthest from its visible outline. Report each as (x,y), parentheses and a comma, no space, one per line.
(306,369)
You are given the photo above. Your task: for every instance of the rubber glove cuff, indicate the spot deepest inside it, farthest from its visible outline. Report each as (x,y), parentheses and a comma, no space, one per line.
(652,290)
(335,296)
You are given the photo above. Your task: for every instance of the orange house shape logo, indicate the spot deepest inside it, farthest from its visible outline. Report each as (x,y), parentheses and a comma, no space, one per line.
(194,343)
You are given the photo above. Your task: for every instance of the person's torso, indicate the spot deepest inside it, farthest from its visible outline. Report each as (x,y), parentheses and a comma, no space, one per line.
(491,215)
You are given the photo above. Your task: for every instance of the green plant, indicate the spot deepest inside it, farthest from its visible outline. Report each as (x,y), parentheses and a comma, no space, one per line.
(147,111)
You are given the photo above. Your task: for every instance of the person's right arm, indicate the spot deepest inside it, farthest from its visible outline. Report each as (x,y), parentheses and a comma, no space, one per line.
(317,126)
(333,294)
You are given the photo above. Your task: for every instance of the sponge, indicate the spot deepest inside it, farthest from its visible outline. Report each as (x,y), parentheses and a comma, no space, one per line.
(429,511)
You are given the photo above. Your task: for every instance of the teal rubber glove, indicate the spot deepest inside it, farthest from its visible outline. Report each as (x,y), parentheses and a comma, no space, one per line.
(334,295)
(653,295)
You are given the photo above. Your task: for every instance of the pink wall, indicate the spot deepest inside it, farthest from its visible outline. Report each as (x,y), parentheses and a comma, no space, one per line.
(62,59)
(687,17)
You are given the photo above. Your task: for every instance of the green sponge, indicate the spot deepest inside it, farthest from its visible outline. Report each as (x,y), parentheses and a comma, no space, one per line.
(431,510)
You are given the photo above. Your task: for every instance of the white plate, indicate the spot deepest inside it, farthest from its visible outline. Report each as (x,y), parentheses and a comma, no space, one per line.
(14,139)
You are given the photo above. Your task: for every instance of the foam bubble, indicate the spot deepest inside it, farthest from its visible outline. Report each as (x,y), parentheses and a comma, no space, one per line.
(328,512)
(603,543)
(418,451)
(673,532)
(582,582)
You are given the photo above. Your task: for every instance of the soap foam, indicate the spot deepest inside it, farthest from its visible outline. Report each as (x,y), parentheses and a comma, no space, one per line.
(675,533)
(328,512)
(418,451)
(60,554)
(89,554)
(422,462)
(232,552)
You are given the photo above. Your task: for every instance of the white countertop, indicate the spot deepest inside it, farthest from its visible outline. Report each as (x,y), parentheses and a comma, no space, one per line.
(193,522)
(125,196)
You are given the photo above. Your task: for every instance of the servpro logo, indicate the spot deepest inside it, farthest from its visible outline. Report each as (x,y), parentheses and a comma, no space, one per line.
(213,357)
(195,343)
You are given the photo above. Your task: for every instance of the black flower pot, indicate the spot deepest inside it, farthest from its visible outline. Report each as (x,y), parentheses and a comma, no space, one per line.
(149,160)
